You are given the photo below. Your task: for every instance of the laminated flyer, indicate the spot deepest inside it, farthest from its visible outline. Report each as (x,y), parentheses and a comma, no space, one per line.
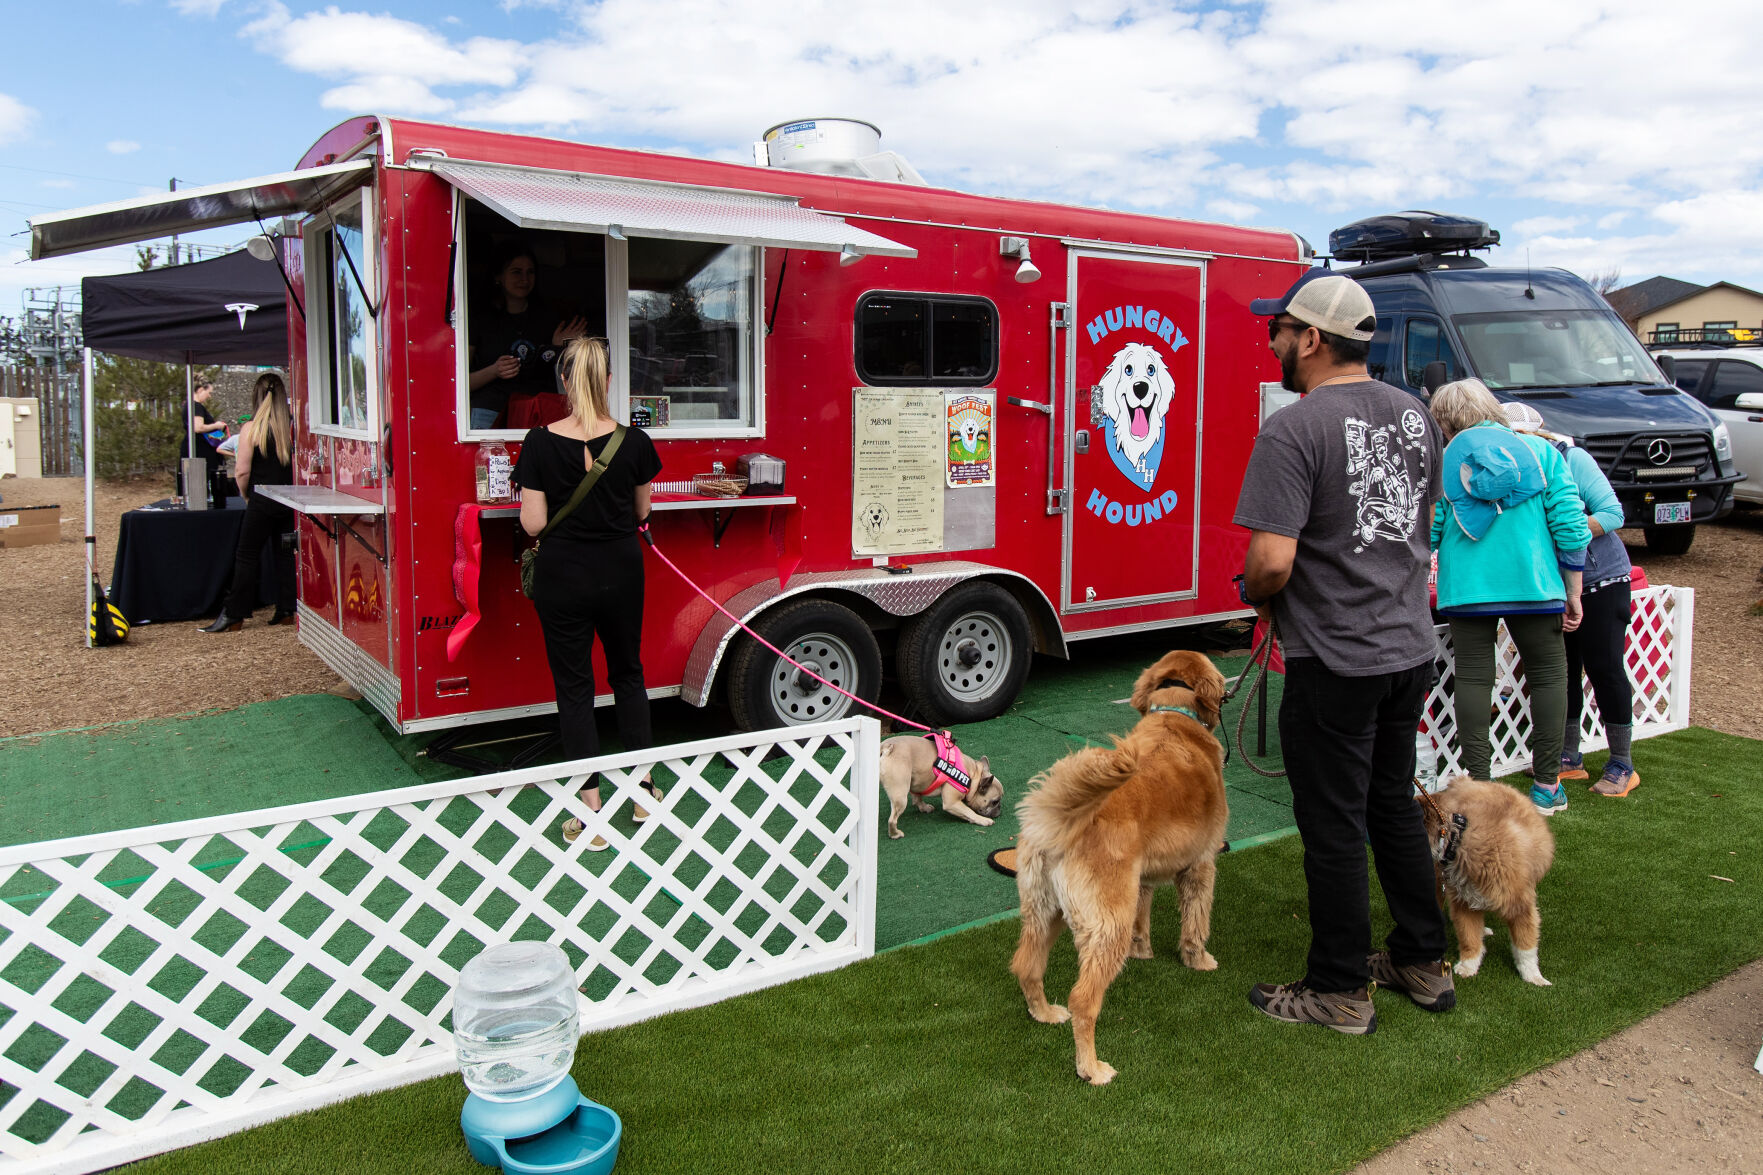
(968,422)
(897,469)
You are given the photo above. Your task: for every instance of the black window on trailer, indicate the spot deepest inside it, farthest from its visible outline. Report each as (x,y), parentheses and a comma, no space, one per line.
(926,339)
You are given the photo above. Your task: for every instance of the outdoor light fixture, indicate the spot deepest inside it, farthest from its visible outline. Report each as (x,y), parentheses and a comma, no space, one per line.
(849,255)
(261,247)
(1018,247)
(515,1017)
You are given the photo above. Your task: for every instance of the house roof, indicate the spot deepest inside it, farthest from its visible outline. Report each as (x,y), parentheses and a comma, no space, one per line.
(1642,298)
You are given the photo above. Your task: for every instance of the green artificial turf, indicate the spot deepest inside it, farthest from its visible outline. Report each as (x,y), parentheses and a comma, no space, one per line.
(923,1059)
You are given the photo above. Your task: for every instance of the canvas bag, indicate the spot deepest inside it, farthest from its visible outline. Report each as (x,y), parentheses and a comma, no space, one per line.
(529,558)
(106,625)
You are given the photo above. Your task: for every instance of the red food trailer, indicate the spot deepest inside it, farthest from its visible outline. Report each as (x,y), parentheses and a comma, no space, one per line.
(1003,426)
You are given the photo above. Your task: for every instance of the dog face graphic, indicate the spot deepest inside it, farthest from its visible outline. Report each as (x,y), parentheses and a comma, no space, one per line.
(1136,394)
(969,433)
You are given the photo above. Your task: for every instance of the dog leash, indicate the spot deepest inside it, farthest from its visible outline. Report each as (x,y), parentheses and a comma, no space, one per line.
(1262,656)
(650,539)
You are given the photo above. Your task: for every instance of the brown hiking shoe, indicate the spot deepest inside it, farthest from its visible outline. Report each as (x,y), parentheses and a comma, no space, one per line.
(1427,984)
(1344,1011)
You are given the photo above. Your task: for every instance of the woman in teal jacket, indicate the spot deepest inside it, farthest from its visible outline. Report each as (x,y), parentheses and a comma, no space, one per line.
(1511,536)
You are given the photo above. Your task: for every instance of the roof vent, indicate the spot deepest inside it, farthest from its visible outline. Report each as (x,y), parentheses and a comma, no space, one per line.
(834,146)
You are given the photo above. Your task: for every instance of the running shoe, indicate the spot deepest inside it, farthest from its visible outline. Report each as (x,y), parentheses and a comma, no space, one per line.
(1549,801)
(1619,779)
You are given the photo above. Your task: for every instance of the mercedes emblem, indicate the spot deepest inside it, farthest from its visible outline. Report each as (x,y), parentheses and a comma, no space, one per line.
(1659,451)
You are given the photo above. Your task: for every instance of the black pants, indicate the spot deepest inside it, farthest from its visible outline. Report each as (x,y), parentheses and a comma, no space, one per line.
(580,592)
(1349,752)
(1597,649)
(265,522)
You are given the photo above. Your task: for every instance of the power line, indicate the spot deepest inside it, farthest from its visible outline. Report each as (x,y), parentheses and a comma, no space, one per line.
(103,179)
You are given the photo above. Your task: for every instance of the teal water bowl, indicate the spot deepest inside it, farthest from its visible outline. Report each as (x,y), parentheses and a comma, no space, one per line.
(558,1133)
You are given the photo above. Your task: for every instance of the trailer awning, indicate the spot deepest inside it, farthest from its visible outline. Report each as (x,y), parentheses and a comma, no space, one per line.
(536,198)
(215,206)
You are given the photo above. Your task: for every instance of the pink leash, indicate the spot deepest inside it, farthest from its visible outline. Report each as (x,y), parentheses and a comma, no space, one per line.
(942,734)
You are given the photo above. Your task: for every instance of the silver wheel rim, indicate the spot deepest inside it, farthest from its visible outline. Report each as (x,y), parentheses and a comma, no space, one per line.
(796,697)
(974,656)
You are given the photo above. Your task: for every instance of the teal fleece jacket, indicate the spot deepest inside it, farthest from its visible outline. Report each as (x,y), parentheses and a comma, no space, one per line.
(1519,559)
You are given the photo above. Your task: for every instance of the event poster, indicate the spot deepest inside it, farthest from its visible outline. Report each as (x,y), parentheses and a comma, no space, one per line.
(897,471)
(968,423)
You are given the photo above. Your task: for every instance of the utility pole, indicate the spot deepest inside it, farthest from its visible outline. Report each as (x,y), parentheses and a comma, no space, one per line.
(174,236)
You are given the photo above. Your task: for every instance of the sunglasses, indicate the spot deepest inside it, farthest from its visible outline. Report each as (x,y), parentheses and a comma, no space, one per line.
(1275,325)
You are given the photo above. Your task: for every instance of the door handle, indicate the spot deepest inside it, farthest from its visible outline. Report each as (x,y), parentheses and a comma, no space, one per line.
(1081,441)
(1035,404)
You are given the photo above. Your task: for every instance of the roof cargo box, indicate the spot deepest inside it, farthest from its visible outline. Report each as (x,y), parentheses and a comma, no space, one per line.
(1405,234)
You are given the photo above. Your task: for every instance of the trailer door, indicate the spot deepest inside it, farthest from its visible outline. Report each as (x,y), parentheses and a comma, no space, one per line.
(1132,437)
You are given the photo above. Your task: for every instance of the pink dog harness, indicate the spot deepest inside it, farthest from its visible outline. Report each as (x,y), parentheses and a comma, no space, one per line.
(946,772)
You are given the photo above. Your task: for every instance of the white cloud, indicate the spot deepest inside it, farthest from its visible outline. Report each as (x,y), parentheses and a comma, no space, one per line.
(1621,137)
(122,146)
(199,7)
(15,119)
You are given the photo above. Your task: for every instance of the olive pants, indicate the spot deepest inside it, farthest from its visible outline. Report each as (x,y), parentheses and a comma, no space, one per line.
(1538,638)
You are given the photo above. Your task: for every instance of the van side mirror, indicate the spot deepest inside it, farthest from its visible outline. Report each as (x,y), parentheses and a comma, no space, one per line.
(1434,375)
(1749,402)
(1667,364)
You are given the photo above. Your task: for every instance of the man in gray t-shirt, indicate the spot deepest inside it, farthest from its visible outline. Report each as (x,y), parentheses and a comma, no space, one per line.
(1338,497)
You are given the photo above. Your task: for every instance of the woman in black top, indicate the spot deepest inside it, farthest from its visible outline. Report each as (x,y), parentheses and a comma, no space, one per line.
(211,432)
(589,578)
(515,344)
(265,457)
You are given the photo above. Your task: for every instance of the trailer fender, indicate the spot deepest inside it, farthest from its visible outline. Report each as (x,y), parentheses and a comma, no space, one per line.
(900,595)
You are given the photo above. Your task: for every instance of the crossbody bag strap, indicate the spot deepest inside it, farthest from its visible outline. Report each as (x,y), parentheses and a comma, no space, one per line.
(587,483)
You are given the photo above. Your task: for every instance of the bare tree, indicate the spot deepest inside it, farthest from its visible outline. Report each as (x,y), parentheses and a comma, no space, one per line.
(1605,280)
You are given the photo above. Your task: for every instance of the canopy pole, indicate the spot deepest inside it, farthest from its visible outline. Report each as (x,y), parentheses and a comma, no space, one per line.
(91,447)
(189,416)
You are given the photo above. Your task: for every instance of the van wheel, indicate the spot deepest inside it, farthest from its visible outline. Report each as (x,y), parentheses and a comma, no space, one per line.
(765,691)
(964,658)
(1669,540)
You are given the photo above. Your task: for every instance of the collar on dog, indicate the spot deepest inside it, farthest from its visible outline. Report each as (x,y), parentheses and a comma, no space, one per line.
(1173,683)
(946,772)
(1176,710)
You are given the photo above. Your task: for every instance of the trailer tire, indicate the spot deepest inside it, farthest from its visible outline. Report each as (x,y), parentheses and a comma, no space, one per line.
(964,658)
(1669,540)
(765,692)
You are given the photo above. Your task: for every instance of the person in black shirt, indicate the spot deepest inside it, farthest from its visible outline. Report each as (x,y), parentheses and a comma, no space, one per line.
(515,344)
(589,578)
(265,457)
(209,432)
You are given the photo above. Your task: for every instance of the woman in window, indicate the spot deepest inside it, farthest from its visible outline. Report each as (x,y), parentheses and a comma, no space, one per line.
(265,457)
(515,343)
(589,578)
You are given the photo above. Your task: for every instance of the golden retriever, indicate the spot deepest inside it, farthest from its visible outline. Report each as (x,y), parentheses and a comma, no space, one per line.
(1504,850)
(1102,827)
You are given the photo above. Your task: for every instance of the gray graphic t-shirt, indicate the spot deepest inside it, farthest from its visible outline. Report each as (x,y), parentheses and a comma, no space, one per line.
(1351,471)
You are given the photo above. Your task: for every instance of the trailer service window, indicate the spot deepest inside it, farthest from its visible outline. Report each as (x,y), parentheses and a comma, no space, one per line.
(677,314)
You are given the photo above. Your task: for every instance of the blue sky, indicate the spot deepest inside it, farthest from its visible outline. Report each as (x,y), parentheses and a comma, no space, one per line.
(1595,136)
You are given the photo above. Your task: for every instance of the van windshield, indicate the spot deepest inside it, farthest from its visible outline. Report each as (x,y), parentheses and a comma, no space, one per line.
(1554,349)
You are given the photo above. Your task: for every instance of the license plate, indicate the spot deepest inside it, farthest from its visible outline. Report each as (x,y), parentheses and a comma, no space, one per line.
(1665,512)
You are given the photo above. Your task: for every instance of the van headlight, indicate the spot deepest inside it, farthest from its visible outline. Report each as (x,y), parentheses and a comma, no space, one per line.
(1722,442)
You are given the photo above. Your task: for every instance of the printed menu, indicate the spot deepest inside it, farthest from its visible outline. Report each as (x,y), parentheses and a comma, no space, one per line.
(898,458)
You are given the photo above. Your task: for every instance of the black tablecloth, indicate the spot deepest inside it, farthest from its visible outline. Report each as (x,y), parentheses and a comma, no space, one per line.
(177,564)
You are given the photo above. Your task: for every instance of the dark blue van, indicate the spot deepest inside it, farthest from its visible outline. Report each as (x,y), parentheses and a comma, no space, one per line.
(1548,339)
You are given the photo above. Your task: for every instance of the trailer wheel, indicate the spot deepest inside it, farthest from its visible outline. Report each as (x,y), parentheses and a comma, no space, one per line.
(1669,540)
(765,691)
(964,658)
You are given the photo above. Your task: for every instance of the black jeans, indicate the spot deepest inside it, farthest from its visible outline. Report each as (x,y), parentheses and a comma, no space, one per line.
(265,522)
(1349,752)
(580,593)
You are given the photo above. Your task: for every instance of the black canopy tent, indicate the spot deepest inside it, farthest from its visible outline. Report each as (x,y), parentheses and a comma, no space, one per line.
(232,309)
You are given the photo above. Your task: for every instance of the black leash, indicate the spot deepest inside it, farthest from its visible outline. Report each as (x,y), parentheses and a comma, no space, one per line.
(1261,656)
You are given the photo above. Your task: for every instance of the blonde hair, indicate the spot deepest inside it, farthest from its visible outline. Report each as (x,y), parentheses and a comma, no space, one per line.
(584,368)
(1463,404)
(273,424)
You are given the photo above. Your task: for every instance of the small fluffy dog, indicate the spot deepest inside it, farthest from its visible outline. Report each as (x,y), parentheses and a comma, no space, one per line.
(1502,854)
(1105,826)
(1136,393)
(907,763)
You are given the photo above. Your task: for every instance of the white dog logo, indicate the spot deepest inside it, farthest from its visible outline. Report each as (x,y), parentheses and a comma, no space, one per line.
(1136,394)
(969,434)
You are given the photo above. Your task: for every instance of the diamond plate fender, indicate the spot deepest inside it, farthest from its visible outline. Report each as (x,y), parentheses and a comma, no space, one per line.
(901,595)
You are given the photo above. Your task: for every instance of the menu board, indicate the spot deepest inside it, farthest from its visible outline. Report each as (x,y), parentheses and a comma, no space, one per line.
(898,458)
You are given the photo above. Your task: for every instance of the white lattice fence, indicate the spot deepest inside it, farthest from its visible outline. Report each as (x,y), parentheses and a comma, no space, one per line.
(1659,646)
(165,985)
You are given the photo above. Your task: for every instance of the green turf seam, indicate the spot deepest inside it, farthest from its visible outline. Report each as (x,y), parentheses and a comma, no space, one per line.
(221,864)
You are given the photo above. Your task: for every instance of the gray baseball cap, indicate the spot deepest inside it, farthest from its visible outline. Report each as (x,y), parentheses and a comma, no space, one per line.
(1327,301)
